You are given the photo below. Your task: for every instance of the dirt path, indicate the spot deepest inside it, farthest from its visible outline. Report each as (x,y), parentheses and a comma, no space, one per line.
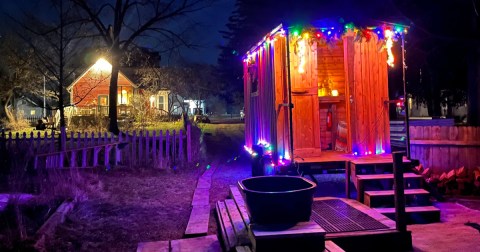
(225,150)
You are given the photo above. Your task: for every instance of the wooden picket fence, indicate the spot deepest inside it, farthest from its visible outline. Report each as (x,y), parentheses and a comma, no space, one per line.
(443,148)
(159,149)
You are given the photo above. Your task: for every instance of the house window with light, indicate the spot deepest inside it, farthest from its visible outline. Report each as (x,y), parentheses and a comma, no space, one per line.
(152,101)
(161,102)
(123,97)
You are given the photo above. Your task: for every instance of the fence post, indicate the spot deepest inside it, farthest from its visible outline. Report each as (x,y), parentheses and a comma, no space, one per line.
(167,146)
(52,142)
(39,142)
(73,158)
(189,143)
(45,141)
(134,147)
(174,147)
(140,148)
(160,148)
(154,148)
(400,216)
(147,148)
(31,144)
(180,145)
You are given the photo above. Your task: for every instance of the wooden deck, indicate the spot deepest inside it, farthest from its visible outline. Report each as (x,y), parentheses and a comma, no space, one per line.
(386,238)
(333,156)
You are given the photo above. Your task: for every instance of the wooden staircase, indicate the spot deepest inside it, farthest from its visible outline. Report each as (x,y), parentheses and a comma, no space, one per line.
(374,184)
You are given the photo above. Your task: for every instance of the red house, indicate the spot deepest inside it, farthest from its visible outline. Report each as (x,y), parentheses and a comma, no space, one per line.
(89,93)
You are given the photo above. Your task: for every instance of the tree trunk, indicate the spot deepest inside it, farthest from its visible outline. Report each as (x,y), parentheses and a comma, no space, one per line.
(8,112)
(112,103)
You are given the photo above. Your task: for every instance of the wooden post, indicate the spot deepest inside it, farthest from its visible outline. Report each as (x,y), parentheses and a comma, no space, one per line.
(400,215)
(154,148)
(31,144)
(73,158)
(347,180)
(189,143)
(52,142)
(160,149)
(167,146)
(134,147)
(39,143)
(72,143)
(140,148)
(84,156)
(117,151)
(180,146)
(174,147)
(106,159)
(147,148)
(45,141)
(96,150)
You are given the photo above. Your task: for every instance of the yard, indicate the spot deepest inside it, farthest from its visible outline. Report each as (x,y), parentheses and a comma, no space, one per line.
(131,206)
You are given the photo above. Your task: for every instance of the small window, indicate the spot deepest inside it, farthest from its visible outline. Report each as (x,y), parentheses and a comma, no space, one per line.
(32,112)
(103,100)
(161,103)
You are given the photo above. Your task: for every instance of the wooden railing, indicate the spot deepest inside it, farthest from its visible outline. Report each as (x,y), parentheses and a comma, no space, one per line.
(158,149)
(68,158)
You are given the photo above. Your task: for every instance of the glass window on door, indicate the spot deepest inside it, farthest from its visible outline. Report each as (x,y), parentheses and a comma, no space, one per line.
(103,100)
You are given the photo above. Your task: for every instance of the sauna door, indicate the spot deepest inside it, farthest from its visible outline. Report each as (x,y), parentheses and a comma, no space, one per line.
(305,114)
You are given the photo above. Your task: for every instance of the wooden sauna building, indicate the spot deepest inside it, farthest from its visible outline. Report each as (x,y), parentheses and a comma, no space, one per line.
(313,92)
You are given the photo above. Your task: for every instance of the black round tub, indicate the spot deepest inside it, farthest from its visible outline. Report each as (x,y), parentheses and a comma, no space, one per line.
(278,199)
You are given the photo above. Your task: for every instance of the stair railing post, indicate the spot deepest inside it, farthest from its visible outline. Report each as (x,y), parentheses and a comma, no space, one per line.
(400,215)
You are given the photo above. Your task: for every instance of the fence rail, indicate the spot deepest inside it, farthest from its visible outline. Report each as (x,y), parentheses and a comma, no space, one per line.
(443,148)
(159,149)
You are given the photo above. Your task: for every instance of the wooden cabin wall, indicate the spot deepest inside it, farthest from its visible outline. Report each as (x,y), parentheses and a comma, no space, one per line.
(367,80)
(331,67)
(259,105)
(305,113)
(281,96)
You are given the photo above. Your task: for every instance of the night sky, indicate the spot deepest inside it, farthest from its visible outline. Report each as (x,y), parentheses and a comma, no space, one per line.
(206,36)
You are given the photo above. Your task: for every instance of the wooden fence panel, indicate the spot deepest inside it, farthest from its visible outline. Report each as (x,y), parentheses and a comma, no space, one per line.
(443,148)
(149,149)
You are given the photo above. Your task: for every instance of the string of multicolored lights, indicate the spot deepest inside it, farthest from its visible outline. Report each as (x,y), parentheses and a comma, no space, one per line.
(387,32)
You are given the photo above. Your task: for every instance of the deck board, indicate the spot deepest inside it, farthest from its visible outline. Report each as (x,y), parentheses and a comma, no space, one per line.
(198,221)
(208,243)
(155,246)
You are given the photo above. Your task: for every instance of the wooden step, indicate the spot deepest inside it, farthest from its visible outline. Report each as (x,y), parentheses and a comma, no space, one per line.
(407,175)
(237,197)
(225,226)
(208,243)
(198,221)
(360,180)
(417,214)
(330,246)
(376,198)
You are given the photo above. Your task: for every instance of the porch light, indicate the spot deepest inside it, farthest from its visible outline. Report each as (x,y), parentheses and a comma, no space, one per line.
(102,65)
(334,92)
(152,101)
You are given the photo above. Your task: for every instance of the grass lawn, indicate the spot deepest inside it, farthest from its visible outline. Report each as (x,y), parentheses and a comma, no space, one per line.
(140,205)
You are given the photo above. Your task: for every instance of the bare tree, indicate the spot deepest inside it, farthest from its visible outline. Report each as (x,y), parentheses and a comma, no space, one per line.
(56,42)
(16,74)
(124,23)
